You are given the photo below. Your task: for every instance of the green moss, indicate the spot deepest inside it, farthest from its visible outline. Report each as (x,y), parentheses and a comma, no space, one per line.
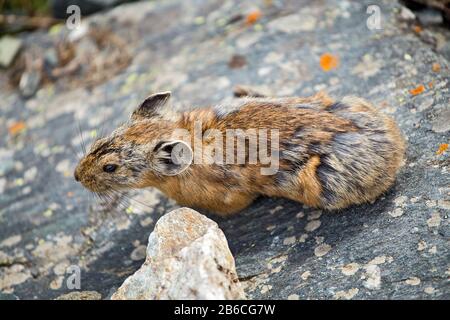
(24,7)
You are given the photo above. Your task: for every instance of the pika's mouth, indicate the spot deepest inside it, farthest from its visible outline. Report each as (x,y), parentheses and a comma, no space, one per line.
(92,186)
(100,190)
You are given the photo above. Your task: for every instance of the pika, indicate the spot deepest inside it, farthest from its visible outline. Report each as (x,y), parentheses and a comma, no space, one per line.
(331,154)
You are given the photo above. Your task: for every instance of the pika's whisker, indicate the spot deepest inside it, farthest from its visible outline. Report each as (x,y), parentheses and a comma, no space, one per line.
(128,197)
(74,152)
(83,145)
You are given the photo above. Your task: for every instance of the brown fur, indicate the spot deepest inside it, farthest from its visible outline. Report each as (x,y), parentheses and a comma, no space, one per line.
(332,154)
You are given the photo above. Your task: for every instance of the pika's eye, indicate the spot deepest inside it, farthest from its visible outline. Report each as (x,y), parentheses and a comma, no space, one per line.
(110,168)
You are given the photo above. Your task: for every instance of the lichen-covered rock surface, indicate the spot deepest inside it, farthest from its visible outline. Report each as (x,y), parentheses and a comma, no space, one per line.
(396,247)
(187,258)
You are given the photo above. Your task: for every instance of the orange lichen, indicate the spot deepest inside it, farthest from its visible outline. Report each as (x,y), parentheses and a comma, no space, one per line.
(253,16)
(417,90)
(417,29)
(442,148)
(328,62)
(16,128)
(436,67)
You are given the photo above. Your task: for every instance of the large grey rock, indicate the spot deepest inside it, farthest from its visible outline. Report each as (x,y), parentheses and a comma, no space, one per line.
(80,295)
(9,48)
(187,258)
(396,247)
(29,83)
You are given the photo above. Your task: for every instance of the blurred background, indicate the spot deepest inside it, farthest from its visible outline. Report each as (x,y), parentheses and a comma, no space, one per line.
(19,16)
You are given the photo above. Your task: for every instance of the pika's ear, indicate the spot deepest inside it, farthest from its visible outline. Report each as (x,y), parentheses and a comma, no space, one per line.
(152,105)
(172,157)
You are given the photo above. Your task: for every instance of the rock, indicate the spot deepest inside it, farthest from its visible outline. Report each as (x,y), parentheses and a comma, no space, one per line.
(29,83)
(8,296)
(9,48)
(442,122)
(406,14)
(81,295)
(428,5)
(184,242)
(430,16)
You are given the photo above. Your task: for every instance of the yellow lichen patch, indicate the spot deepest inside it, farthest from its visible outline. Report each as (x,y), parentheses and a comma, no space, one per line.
(312,225)
(278,260)
(413,281)
(289,240)
(368,67)
(397,212)
(429,290)
(305,275)
(303,238)
(378,260)
(12,276)
(435,220)
(433,250)
(319,240)
(347,295)
(350,269)
(373,277)
(314,215)
(422,245)
(322,250)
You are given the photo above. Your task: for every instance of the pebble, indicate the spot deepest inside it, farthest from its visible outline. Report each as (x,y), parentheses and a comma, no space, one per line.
(29,83)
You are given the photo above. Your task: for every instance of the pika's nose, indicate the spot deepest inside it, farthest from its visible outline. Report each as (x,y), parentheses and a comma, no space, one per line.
(75,175)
